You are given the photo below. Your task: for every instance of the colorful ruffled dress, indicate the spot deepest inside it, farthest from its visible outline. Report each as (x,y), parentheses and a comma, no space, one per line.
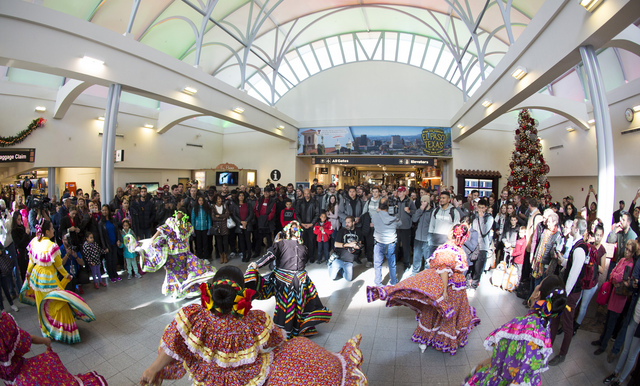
(521,350)
(443,324)
(298,305)
(184,271)
(226,350)
(43,369)
(57,308)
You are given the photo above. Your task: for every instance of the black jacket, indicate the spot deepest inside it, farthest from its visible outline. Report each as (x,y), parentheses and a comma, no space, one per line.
(104,235)
(234,209)
(307,211)
(145,213)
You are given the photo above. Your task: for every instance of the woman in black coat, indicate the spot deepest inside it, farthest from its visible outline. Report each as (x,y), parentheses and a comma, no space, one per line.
(243,215)
(21,239)
(109,236)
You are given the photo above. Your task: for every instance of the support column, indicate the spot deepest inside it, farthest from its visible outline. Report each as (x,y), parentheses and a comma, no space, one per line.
(604,136)
(51,189)
(107,189)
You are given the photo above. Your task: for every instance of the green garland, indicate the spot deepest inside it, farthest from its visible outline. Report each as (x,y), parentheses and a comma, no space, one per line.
(10,141)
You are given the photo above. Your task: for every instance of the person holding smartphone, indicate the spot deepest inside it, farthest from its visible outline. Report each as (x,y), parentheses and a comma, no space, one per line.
(621,233)
(620,278)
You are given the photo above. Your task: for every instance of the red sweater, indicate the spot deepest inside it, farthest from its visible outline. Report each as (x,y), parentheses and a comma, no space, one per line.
(317,229)
(518,251)
(286,216)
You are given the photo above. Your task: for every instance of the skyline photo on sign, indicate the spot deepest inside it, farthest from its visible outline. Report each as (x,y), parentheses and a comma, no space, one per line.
(376,140)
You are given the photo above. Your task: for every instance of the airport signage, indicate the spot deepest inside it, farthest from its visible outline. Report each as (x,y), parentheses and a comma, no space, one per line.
(17,155)
(387,161)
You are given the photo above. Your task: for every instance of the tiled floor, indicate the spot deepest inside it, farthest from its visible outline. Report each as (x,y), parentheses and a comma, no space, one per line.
(131,316)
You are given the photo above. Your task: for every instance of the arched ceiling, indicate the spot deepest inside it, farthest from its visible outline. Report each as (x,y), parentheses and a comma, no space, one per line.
(268,46)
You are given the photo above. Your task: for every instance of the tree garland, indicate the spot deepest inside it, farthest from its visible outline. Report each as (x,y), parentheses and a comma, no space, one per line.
(10,141)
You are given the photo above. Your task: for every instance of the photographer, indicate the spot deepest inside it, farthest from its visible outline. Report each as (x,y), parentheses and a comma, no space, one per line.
(38,210)
(73,263)
(70,227)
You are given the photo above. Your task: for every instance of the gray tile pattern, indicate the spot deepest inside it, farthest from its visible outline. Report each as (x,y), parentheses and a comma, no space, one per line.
(132,314)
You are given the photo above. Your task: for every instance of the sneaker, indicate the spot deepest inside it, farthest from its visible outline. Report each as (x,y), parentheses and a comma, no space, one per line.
(96,285)
(113,280)
(14,308)
(557,360)
(129,278)
(118,278)
(206,261)
(138,276)
(369,264)
(80,290)
(598,351)
(103,284)
(232,255)
(609,378)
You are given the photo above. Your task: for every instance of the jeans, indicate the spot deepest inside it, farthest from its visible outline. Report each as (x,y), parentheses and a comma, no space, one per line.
(201,244)
(630,353)
(144,233)
(404,237)
(17,275)
(610,325)
(587,295)
(369,245)
(95,272)
(244,243)
(338,265)
(309,240)
(111,262)
(4,281)
(420,250)
(222,244)
(323,250)
(381,251)
(132,267)
(478,268)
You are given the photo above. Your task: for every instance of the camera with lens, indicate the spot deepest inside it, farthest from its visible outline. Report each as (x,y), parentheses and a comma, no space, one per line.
(38,202)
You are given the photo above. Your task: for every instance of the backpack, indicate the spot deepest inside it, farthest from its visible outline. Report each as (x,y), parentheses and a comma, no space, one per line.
(451,212)
(510,279)
(591,271)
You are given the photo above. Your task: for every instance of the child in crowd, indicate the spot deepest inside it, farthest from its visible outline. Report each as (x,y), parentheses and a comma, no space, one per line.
(129,257)
(517,254)
(288,214)
(323,231)
(92,255)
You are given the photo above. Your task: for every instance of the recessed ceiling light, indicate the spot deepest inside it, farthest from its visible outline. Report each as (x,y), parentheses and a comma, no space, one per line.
(92,61)
(281,127)
(519,73)
(570,129)
(487,102)
(41,109)
(460,126)
(591,121)
(189,90)
(148,126)
(590,5)
(238,110)
(636,108)
(100,118)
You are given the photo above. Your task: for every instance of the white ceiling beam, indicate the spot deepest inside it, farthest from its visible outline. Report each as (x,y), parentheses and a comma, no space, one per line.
(548,47)
(63,40)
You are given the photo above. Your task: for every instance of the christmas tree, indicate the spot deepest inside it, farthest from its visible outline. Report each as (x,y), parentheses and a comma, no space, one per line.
(528,168)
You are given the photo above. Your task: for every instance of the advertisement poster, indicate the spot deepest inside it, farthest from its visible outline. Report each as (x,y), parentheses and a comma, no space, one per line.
(376,140)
